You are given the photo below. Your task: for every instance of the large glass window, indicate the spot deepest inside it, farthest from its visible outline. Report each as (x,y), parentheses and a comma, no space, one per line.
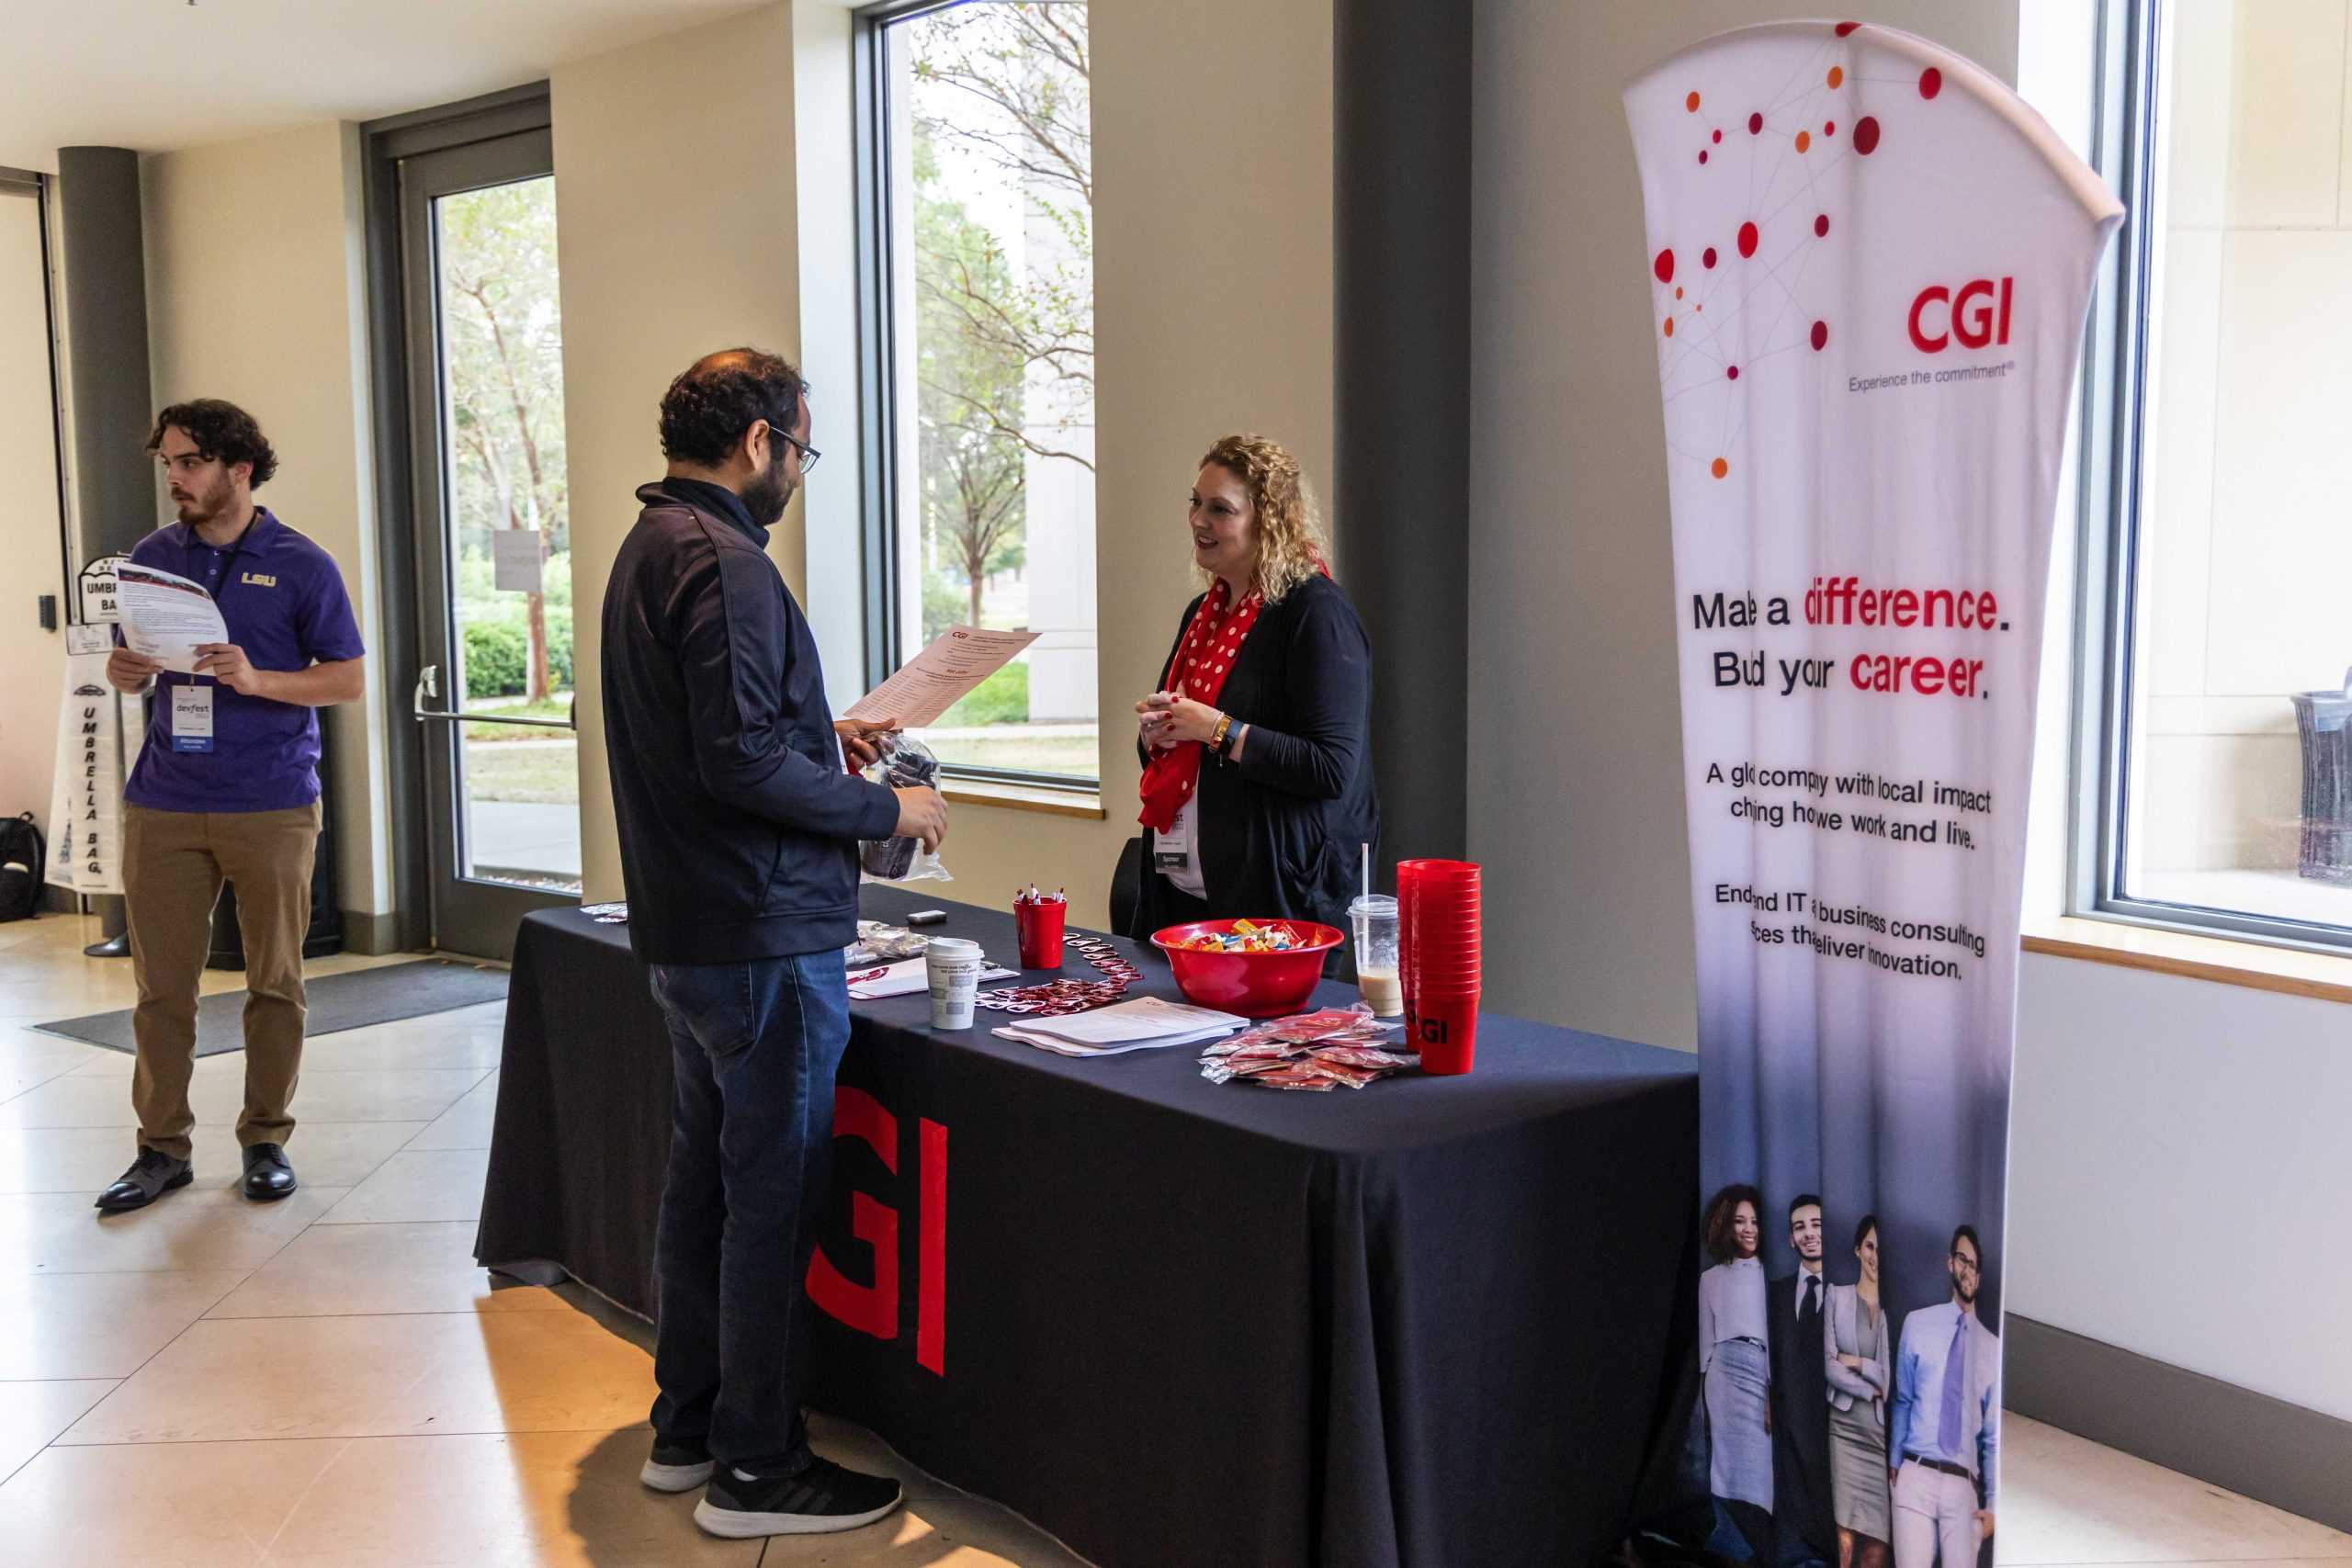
(2227,797)
(510,540)
(985,285)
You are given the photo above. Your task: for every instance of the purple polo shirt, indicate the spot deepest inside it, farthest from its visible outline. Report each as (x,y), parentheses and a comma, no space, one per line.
(284,605)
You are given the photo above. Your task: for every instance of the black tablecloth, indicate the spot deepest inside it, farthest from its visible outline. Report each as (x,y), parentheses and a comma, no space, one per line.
(1175,1322)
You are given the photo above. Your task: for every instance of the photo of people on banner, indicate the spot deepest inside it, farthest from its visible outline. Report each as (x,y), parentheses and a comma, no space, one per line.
(1869,264)
(1825,1400)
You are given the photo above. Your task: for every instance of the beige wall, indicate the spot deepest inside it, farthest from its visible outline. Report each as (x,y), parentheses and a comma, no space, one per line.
(677,232)
(34,660)
(255,294)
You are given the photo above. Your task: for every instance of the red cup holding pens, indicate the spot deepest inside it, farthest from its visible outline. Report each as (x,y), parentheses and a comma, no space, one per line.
(1037,924)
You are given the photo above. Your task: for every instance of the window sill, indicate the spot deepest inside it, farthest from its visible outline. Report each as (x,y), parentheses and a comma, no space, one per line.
(1083,805)
(2290,971)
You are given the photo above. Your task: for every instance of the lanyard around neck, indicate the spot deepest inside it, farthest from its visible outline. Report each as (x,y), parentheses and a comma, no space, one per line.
(237,548)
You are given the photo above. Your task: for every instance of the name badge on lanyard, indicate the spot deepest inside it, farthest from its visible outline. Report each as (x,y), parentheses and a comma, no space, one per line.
(192,718)
(1173,847)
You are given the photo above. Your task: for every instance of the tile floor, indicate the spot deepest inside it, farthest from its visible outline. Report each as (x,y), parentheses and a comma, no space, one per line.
(331,1380)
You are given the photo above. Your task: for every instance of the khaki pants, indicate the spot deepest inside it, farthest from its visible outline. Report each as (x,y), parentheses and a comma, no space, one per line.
(1935,1515)
(173,863)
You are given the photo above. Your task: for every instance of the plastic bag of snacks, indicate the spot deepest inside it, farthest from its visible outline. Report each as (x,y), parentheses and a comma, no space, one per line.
(1316,1051)
(880,943)
(906,763)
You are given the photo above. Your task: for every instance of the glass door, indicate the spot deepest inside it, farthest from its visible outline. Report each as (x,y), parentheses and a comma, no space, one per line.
(493,558)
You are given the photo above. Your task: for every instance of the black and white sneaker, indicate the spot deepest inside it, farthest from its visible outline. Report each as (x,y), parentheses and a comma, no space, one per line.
(676,1466)
(820,1500)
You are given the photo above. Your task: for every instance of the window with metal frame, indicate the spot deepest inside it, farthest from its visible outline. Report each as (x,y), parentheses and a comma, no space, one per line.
(2213,747)
(977,315)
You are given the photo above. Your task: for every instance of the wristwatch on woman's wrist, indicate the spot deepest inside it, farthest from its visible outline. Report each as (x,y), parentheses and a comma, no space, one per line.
(1217,737)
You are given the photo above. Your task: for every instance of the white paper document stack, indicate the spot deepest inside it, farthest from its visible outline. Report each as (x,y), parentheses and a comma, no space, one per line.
(905,978)
(1147,1023)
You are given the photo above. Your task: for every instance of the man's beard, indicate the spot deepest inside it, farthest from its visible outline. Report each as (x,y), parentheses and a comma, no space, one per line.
(207,507)
(765,497)
(1965,1293)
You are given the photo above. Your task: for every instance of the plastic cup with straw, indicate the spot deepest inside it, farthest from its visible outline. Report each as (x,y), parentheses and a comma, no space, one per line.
(1378,979)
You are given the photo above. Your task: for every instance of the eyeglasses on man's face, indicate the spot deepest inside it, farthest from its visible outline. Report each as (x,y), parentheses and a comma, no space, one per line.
(809,455)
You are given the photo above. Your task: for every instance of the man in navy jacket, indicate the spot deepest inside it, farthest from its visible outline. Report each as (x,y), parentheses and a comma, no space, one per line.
(738,827)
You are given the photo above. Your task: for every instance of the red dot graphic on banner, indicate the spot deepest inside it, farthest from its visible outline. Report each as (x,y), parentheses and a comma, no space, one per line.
(1719,467)
(1805,139)
(1702,154)
(1678,294)
(1821,226)
(1691,103)
(1828,128)
(1845,28)
(1820,335)
(1719,136)
(1664,265)
(1866,135)
(1731,372)
(1707,257)
(1837,75)
(1670,326)
(1931,82)
(1755,125)
(1746,240)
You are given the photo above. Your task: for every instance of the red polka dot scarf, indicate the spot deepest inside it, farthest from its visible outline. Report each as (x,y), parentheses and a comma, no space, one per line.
(1206,656)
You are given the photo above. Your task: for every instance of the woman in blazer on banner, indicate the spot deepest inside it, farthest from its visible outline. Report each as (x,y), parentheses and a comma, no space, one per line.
(1859,1347)
(1257,786)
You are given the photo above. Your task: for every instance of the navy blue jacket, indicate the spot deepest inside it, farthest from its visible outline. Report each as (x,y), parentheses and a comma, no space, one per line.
(739,826)
(1281,830)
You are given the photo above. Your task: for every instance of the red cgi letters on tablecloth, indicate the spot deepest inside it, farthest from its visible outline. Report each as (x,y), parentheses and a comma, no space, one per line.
(874,1308)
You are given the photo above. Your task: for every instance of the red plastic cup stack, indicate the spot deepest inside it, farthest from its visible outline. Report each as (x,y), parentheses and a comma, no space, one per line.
(1438,951)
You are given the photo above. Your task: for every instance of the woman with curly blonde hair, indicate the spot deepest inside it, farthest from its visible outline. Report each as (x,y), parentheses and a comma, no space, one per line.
(1257,786)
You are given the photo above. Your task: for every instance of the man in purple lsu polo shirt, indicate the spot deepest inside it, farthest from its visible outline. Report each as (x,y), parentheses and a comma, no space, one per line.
(226,788)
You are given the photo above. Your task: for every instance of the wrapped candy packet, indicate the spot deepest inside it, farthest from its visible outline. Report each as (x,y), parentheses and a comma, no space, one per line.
(1315,1052)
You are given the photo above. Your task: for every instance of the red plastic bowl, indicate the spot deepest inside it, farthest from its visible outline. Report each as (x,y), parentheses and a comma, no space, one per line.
(1255,985)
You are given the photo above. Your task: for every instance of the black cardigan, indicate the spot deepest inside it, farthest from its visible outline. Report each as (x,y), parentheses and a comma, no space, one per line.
(1281,830)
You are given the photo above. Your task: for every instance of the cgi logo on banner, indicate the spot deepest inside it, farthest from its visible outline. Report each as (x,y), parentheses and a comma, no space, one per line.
(1978,315)
(1859,540)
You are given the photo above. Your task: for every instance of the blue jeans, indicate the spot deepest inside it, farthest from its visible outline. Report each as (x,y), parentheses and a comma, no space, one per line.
(755,1046)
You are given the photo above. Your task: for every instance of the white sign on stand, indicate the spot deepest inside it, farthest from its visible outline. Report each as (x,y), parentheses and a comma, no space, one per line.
(85,805)
(85,800)
(99,602)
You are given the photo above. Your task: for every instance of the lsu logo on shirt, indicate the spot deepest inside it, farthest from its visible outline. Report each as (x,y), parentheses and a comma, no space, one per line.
(258,580)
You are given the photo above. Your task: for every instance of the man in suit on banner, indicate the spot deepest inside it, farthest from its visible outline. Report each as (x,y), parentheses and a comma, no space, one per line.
(1805,1524)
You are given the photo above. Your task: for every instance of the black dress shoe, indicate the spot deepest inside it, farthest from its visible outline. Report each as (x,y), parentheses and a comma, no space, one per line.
(268,1175)
(152,1174)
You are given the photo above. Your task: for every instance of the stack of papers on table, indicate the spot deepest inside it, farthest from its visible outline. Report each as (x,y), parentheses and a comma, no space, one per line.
(905,978)
(1144,1024)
